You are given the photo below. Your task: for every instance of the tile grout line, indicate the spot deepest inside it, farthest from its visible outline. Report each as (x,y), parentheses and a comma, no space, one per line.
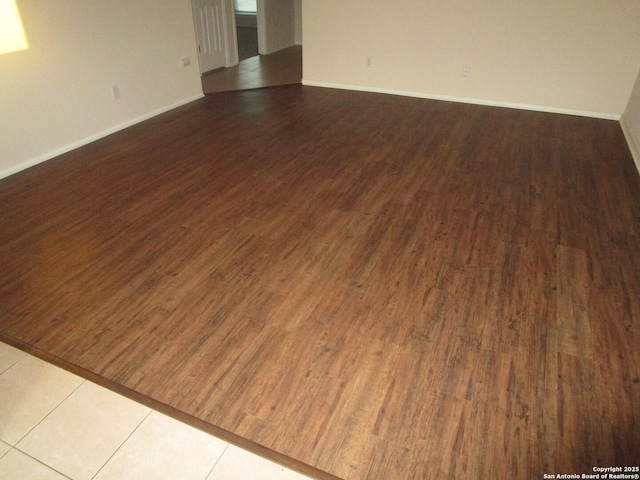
(124,441)
(53,409)
(24,354)
(218,460)
(16,447)
(39,461)
(5,453)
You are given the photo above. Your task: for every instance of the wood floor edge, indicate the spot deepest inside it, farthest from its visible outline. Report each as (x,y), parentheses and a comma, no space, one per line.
(172,412)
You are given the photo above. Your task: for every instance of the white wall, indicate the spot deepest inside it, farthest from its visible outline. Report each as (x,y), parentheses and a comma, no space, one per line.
(631,123)
(298,13)
(277,25)
(575,55)
(57,94)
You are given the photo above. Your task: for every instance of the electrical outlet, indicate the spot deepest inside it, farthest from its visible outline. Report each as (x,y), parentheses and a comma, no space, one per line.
(465,71)
(369,62)
(115,92)
(185,62)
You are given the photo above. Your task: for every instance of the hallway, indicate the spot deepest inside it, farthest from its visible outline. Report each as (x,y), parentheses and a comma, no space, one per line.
(279,68)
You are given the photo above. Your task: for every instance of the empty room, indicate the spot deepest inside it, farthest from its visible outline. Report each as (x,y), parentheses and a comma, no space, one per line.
(422,261)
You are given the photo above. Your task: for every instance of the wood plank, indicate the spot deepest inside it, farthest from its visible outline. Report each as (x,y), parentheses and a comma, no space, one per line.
(442,290)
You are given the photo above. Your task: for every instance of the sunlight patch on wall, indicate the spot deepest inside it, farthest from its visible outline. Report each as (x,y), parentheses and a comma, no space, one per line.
(12,36)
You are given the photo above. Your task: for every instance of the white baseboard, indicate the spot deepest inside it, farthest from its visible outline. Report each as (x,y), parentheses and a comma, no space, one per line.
(92,138)
(474,101)
(635,150)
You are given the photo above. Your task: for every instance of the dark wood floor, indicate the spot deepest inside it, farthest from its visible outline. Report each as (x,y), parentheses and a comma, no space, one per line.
(379,287)
(279,68)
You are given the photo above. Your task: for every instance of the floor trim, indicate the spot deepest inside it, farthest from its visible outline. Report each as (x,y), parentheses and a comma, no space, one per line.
(635,151)
(92,138)
(471,100)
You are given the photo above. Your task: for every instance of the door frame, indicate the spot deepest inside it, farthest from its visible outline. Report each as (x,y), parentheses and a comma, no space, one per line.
(262,27)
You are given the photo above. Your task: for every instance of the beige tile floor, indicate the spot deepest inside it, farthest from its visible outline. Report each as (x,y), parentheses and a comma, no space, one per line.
(56,425)
(279,68)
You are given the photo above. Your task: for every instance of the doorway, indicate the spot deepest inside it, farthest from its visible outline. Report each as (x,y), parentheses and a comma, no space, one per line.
(246,14)
(277,24)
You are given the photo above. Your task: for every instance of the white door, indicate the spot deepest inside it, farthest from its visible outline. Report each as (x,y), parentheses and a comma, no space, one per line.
(211,33)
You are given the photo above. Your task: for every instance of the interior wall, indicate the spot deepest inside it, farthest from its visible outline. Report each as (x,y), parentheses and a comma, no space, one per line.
(631,122)
(278,28)
(298,14)
(57,95)
(577,55)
